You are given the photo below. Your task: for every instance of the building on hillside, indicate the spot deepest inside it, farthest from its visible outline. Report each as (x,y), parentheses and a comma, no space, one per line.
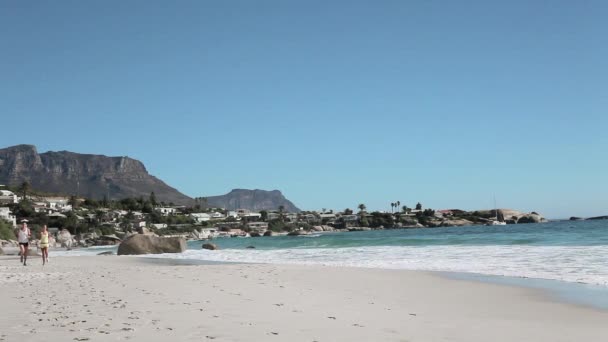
(57,215)
(6,214)
(258,226)
(291,217)
(217,215)
(166,211)
(252,216)
(232,213)
(309,218)
(57,203)
(8,197)
(200,217)
(242,212)
(159,225)
(327,218)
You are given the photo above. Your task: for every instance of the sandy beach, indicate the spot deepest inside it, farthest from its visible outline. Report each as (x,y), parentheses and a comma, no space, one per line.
(110,298)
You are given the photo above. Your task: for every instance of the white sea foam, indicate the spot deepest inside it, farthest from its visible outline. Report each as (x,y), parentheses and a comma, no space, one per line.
(584,264)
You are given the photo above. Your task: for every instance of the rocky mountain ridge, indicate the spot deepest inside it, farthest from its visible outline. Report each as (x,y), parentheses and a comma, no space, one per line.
(86,175)
(254,200)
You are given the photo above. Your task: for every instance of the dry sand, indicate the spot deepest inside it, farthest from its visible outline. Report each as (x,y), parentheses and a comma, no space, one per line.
(110,298)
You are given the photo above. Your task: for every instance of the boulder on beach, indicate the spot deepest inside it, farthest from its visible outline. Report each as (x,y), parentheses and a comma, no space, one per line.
(65,239)
(268,233)
(106,253)
(210,246)
(254,234)
(150,244)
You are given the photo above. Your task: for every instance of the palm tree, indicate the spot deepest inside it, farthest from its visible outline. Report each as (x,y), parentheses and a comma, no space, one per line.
(281,210)
(397,205)
(392,207)
(361,207)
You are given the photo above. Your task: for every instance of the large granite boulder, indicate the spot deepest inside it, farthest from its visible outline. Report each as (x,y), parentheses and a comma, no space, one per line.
(268,233)
(456,223)
(65,239)
(210,246)
(531,218)
(150,244)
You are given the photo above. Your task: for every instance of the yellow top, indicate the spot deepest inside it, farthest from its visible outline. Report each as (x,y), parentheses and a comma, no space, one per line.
(44,238)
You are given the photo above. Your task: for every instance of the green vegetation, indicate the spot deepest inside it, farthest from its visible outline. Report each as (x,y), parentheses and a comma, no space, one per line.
(6,231)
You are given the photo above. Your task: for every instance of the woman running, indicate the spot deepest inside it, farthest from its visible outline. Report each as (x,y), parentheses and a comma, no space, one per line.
(44,245)
(24,242)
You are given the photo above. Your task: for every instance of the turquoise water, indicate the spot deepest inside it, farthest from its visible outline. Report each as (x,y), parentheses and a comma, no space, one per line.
(568,251)
(563,233)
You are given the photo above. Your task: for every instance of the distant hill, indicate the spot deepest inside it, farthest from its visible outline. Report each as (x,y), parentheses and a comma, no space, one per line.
(87,175)
(254,200)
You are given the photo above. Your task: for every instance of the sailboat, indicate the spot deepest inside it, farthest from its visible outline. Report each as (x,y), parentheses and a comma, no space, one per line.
(495,221)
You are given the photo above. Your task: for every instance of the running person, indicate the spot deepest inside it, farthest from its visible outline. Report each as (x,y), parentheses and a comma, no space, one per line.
(44,245)
(24,242)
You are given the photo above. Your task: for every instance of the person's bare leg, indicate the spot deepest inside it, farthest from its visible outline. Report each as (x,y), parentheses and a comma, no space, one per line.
(21,252)
(25,248)
(43,260)
(46,255)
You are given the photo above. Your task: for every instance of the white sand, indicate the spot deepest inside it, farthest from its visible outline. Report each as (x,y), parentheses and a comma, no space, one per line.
(126,298)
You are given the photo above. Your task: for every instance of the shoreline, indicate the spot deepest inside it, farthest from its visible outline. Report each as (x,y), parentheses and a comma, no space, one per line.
(107,298)
(580,294)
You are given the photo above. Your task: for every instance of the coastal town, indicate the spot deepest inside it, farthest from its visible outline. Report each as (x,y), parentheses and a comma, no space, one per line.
(79,222)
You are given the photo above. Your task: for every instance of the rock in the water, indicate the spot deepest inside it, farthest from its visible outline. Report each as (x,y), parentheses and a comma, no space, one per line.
(530,218)
(251,247)
(575,218)
(268,233)
(150,244)
(210,246)
(456,223)
(106,253)
(254,234)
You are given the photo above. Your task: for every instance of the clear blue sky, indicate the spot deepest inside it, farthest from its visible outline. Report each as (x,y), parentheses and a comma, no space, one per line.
(333,102)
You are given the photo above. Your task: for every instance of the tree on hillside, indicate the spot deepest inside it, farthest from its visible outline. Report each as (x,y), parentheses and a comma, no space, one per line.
(392,207)
(153,199)
(24,188)
(397,205)
(264,215)
(405,209)
(361,207)
(281,212)
(418,206)
(348,211)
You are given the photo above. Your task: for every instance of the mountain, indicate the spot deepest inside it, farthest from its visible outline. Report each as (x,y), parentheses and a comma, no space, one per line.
(254,200)
(86,175)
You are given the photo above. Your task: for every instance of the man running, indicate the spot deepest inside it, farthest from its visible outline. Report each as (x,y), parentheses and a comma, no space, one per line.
(24,242)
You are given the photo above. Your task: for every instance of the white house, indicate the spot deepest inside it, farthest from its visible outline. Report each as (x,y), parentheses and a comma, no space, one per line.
(166,211)
(200,217)
(216,216)
(8,197)
(5,213)
(258,226)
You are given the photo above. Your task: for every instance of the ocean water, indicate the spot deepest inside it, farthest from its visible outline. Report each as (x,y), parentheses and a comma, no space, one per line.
(569,251)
